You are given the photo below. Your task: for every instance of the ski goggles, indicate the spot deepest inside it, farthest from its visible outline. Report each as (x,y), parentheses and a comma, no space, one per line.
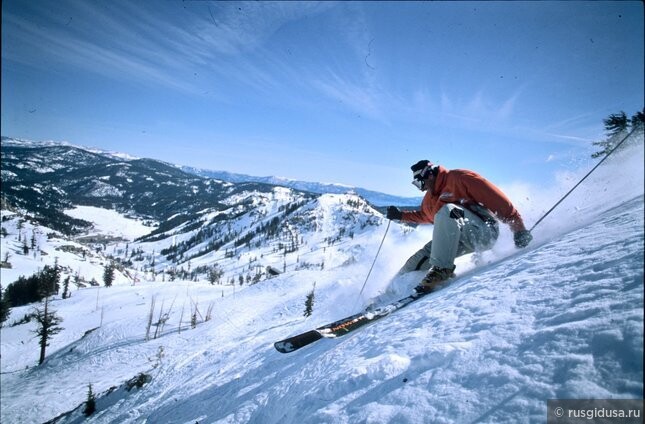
(420,176)
(420,184)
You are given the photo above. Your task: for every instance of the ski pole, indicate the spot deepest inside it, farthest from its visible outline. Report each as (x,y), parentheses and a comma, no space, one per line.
(375,257)
(583,178)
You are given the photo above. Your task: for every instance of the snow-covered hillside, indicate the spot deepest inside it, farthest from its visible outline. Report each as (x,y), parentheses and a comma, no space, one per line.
(560,319)
(156,222)
(47,247)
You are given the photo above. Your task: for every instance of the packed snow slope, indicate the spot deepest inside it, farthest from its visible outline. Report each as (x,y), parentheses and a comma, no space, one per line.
(560,319)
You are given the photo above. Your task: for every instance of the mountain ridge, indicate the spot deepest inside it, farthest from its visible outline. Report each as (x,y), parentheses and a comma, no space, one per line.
(376,198)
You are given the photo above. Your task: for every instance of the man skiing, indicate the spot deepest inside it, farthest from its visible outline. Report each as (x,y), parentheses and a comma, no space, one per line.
(464,208)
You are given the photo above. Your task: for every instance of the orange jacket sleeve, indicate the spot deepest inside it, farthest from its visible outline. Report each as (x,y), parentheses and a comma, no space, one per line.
(423,216)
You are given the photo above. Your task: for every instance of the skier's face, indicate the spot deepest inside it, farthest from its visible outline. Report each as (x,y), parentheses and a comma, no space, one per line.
(426,183)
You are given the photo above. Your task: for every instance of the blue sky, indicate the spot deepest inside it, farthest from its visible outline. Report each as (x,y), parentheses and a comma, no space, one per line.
(347,92)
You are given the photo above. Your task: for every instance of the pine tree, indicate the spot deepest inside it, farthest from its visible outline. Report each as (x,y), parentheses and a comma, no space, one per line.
(90,404)
(50,280)
(48,323)
(66,292)
(108,275)
(32,289)
(616,126)
(638,120)
(4,307)
(309,302)
(616,123)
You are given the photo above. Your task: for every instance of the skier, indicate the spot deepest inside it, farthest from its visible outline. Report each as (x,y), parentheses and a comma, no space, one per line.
(464,208)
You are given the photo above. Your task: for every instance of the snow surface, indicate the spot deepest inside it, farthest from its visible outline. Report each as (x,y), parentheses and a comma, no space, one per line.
(560,319)
(110,222)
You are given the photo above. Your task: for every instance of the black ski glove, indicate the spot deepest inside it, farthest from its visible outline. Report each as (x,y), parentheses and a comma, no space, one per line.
(522,238)
(394,213)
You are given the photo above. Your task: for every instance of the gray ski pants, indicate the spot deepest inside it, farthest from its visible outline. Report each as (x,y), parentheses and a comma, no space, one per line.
(457,231)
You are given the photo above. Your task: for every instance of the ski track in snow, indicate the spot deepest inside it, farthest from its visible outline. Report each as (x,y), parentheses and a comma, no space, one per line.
(561,319)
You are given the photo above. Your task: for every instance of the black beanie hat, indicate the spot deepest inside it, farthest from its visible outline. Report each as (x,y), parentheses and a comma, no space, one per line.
(420,165)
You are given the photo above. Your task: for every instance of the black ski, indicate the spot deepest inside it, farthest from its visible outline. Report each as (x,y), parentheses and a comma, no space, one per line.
(343,326)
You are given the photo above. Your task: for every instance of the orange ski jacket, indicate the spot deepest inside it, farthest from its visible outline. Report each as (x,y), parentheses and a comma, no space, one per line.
(465,188)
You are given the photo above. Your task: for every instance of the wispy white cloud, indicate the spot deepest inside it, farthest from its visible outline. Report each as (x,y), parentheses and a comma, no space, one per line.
(154,43)
(360,98)
(569,137)
(480,108)
(355,83)
(47,46)
(234,27)
(577,131)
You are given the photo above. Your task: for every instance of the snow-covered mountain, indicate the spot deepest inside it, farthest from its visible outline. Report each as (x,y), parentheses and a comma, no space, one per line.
(44,180)
(560,319)
(187,226)
(374,197)
(193,221)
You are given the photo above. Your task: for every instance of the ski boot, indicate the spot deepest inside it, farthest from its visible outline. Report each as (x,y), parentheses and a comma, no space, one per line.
(433,278)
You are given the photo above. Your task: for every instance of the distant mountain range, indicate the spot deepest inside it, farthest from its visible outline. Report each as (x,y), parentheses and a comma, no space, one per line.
(374,197)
